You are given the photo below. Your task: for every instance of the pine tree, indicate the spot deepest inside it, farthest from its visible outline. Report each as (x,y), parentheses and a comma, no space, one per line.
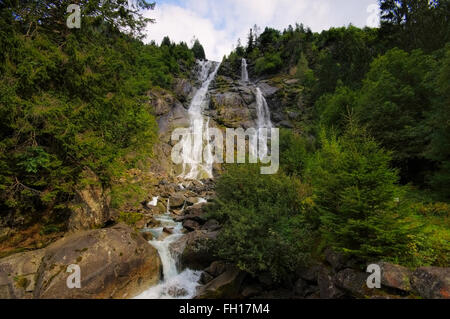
(357,199)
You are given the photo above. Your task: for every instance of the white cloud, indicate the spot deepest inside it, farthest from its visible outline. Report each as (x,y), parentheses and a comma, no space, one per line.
(218,24)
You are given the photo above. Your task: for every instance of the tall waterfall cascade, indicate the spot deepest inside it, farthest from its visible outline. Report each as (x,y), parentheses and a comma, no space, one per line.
(196,164)
(263,120)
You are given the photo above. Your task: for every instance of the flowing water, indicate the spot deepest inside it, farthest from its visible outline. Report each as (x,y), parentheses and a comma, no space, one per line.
(175,284)
(193,144)
(244,72)
(263,120)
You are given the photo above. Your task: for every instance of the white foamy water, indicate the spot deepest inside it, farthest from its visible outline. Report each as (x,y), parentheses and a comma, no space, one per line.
(263,121)
(175,284)
(195,166)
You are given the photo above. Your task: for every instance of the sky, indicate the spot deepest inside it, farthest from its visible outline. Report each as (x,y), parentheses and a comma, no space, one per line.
(218,24)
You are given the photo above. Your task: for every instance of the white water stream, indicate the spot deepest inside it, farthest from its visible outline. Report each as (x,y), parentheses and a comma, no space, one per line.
(195,164)
(175,284)
(263,120)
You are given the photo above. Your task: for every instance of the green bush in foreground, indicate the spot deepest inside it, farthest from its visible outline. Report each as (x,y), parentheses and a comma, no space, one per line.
(264,229)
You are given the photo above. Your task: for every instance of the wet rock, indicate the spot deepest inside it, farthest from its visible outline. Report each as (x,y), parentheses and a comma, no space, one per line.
(267,90)
(432,282)
(168,230)
(395,276)
(226,286)
(177,292)
(205,278)
(193,249)
(183,88)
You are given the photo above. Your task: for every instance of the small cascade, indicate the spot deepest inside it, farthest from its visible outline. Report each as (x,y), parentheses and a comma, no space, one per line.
(244,72)
(192,154)
(175,284)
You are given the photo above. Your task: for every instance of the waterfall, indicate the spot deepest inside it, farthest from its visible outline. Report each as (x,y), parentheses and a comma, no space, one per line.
(192,154)
(244,72)
(263,121)
(175,284)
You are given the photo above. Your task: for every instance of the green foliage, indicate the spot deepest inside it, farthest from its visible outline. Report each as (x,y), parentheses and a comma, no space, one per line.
(413,24)
(293,152)
(439,120)
(269,64)
(67,103)
(130,218)
(198,50)
(397,94)
(333,109)
(264,228)
(357,202)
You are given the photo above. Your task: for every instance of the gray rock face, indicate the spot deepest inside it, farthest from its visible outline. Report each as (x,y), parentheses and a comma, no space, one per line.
(266,89)
(91,207)
(432,282)
(183,89)
(114,263)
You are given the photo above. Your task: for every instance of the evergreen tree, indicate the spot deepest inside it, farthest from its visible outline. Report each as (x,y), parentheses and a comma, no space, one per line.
(198,50)
(356,197)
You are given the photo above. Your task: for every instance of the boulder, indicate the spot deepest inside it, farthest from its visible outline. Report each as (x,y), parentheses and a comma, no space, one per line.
(327,287)
(395,276)
(191,225)
(114,263)
(177,201)
(91,206)
(18,274)
(432,282)
(193,249)
(226,286)
(216,268)
(353,282)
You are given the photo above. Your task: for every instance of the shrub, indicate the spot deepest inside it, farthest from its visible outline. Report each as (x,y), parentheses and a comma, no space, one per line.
(264,228)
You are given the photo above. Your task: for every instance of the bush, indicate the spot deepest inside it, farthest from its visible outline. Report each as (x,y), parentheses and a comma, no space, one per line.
(264,228)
